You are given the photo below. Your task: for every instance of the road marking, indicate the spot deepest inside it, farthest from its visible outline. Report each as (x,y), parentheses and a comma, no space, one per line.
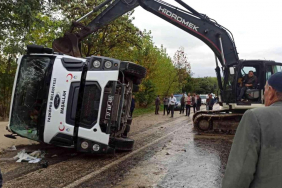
(95,173)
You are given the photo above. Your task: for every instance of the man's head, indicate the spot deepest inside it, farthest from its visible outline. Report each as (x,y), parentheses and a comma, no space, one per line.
(273,89)
(133,96)
(189,94)
(251,74)
(194,94)
(171,95)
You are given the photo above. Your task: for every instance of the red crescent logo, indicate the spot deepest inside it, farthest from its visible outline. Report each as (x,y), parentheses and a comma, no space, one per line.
(71,76)
(62,128)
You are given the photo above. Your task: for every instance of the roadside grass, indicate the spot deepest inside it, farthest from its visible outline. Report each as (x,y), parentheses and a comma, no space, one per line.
(141,111)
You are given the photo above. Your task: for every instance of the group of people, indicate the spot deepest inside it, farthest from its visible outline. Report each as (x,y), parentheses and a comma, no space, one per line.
(187,102)
(169,103)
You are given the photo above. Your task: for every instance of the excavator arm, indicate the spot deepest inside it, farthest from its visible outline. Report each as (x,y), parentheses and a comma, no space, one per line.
(211,33)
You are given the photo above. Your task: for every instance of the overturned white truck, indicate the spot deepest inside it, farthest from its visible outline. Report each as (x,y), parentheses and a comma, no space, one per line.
(74,102)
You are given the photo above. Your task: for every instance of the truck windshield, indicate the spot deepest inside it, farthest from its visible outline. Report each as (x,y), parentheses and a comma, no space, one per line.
(30,96)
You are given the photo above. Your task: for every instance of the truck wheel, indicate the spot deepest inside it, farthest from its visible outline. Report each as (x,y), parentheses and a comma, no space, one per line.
(134,71)
(122,144)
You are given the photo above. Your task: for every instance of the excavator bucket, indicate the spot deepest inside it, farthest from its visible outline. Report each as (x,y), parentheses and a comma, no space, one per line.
(68,44)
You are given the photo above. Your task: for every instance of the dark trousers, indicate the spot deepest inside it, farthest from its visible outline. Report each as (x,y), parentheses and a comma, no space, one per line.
(188,110)
(182,108)
(194,108)
(157,109)
(198,108)
(166,109)
(131,111)
(172,110)
(240,92)
(210,107)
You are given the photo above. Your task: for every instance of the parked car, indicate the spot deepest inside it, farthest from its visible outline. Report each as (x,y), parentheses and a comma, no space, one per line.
(204,98)
(178,103)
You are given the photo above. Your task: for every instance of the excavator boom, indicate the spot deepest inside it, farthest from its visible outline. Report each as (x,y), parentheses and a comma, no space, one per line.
(211,33)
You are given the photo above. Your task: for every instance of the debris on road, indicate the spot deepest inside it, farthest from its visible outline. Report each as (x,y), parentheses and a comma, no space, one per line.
(44,164)
(7,159)
(33,157)
(12,148)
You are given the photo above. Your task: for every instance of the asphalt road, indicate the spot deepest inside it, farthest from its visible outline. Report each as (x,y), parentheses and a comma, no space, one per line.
(167,153)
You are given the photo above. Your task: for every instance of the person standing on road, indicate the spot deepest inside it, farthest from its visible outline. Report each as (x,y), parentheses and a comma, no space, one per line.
(172,102)
(207,102)
(194,102)
(198,102)
(166,101)
(182,100)
(210,102)
(157,103)
(132,105)
(256,152)
(188,101)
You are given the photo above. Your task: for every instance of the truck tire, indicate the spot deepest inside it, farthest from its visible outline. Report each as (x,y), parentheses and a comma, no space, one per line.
(133,71)
(122,144)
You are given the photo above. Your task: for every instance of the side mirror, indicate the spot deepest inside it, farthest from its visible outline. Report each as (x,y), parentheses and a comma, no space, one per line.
(231,70)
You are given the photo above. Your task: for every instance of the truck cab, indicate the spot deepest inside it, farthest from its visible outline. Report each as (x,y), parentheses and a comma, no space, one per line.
(74,102)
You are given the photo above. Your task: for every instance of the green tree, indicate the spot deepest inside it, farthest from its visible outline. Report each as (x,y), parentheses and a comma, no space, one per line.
(183,67)
(7,72)
(147,94)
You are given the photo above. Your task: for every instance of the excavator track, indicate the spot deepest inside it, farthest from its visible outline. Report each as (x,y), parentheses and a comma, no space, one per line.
(217,121)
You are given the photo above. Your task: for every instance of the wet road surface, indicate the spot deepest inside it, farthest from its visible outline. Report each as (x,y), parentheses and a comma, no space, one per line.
(167,153)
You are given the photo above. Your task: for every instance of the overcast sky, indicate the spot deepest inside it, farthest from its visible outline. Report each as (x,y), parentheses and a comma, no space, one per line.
(256,26)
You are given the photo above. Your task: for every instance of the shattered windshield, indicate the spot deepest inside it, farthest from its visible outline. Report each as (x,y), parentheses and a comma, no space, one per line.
(30,96)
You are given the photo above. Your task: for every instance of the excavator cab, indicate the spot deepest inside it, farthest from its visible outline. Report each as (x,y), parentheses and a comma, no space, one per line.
(262,70)
(252,93)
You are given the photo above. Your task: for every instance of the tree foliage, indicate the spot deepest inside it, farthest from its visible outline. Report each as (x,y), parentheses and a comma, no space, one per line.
(25,22)
(201,85)
(183,67)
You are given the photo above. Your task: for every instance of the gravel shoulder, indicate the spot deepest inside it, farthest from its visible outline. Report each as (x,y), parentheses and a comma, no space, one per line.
(8,142)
